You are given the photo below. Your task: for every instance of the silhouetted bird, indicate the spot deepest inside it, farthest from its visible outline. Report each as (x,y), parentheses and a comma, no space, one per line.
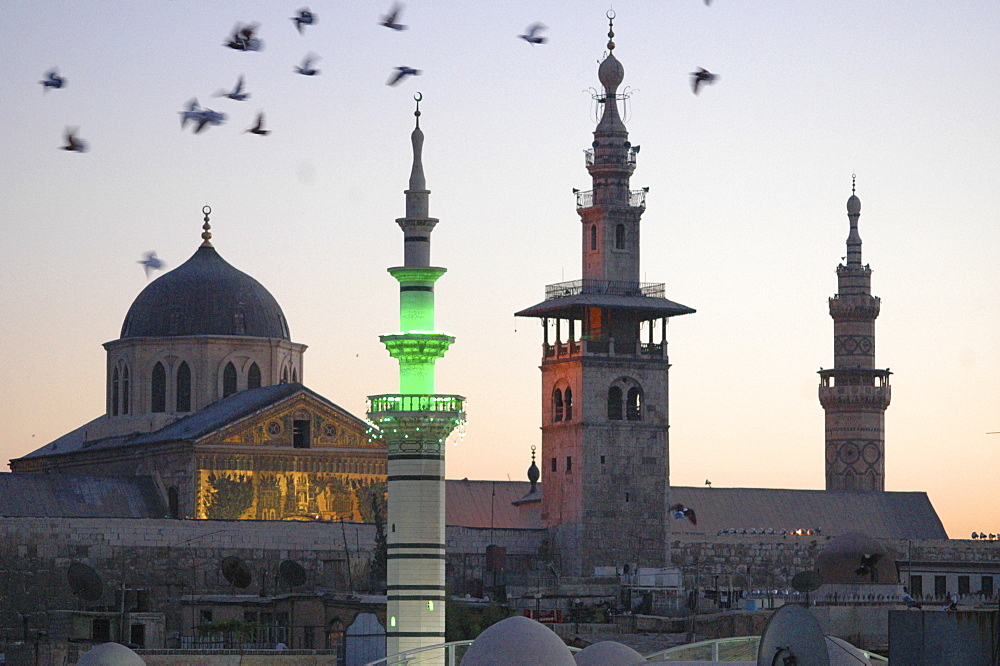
(150,262)
(707,482)
(391,20)
(531,34)
(236,93)
(908,600)
(701,76)
(259,127)
(244,39)
(401,73)
(680,512)
(306,68)
(867,566)
(304,17)
(73,143)
(202,117)
(52,80)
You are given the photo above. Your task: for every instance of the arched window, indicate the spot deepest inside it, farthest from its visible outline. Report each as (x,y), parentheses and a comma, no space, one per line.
(615,403)
(557,405)
(125,392)
(253,376)
(115,388)
(158,389)
(295,375)
(593,237)
(633,404)
(183,387)
(620,237)
(229,380)
(568,401)
(173,502)
(284,375)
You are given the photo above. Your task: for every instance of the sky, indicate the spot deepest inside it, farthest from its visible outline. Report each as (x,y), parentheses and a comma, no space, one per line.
(745,217)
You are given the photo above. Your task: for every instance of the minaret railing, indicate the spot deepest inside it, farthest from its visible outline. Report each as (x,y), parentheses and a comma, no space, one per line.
(627,160)
(609,287)
(636,199)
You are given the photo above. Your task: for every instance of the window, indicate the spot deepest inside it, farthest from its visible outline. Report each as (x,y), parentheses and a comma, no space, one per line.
(125,392)
(183,387)
(963,585)
(284,375)
(229,380)
(620,237)
(603,459)
(553,464)
(101,630)
(569,464)
(300,434)
(115,388)
(615,403)
(295,375)
(253,376)
(158,389)
(916,586)
(633,407)
(557,405)
(986,586)
(940,586)
(568,400)
(593,237)
(173,502)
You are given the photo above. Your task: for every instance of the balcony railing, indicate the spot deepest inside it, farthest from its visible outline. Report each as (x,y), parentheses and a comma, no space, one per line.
(610,287)
(573,348)
(627,160)
(415,403)
(636,199)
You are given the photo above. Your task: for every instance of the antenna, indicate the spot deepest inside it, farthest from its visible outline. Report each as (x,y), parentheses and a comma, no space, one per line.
(792,636)
(85,582)
(292,573)
(236,572)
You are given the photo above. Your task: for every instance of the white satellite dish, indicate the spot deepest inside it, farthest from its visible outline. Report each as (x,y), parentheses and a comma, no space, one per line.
(792,637)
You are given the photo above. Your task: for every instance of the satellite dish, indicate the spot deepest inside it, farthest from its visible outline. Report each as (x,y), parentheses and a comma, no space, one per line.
(85,582)
(807,581)
(236,572)
(292,573)
(792,636)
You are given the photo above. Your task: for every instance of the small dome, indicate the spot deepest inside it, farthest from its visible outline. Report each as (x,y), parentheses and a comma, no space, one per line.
(205,296)
(608,652)
(111,654)
(611,73)
(854,558)
(854,205)
(518,640)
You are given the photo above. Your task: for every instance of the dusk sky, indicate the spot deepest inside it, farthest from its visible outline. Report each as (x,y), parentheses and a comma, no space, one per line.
(745,217)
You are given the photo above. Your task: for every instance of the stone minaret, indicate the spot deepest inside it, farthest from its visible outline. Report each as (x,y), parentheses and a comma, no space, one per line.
(415,423)
(854,393)
(604,372)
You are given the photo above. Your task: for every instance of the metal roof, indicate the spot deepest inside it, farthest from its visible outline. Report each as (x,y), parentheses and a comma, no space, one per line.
(488,504)
(79,496)
(575,306)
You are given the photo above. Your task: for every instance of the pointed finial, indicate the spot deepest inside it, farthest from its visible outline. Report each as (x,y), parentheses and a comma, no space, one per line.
(206,235)
(853,179)
(418,98)
(611,29)
(533,472)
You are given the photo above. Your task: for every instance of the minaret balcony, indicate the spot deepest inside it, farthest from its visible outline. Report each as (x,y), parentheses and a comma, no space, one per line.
(413,423)
(609,287)
(607,348)
(856,306)
(626,160)
(874,396)
(636,199)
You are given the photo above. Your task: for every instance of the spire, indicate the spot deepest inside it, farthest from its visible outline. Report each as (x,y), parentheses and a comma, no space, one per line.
(206,235)
(533,472)
(416,196)
(611,74)
(854,238)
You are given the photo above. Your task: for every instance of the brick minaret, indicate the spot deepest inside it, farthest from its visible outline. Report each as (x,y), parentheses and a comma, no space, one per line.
(854,393)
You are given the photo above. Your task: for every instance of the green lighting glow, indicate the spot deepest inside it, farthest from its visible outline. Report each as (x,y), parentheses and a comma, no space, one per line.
(430,605)
(392,621)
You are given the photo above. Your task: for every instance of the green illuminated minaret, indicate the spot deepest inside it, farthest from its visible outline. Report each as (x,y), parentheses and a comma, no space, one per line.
(415,424)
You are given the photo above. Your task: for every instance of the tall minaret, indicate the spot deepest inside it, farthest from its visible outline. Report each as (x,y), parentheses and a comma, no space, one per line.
(605,453)
(854,394)
(415,423)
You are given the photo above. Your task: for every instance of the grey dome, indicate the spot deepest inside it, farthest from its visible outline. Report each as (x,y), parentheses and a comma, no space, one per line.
(841,561)
(853,205)
(111,654)
(608,652)
(205,296)
(518,640)
(611,73)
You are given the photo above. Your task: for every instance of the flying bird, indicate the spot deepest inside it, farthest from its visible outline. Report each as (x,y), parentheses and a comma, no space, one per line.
(74,144)
(391,20)
(200,116)
(680,512)
(531,34)
(52,80)
(304,17)
(259,127)
(150,262)
(701,76)
(867,566)
(244,39)
(236,93)
(401,73)
(306,68)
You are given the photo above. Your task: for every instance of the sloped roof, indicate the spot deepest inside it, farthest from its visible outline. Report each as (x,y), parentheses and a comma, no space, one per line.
(884,515)
(487,504)
(79,496)
(576,306)
(194,426)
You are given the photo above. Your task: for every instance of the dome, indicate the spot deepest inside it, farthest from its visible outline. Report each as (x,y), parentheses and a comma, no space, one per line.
(608,652)
(854,558)
(611,73)
(111,654)
(205,296)
(518,640)
(854,205)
